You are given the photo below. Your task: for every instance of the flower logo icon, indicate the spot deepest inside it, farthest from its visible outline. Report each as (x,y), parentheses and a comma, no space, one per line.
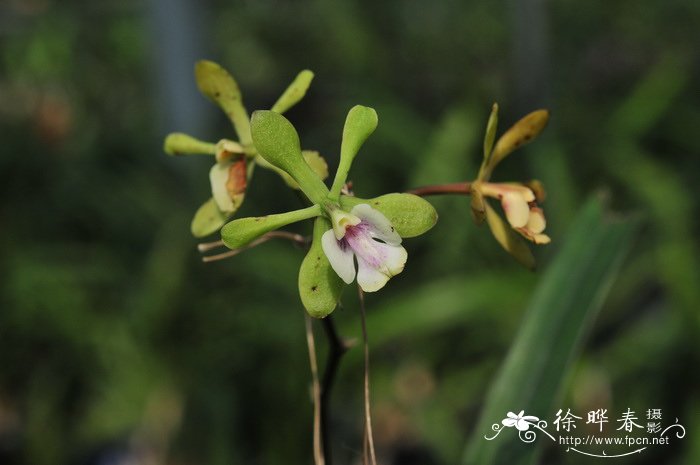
(520,421)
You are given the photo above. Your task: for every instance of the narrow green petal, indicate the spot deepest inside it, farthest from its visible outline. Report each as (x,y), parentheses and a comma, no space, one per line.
(522,132)
(294,93)
(178,143)
(242,231)
(359,124)
(491,126)
(509,239)
(489,138)
(208,219)
(220,87)
(409,214)
(314,160)
(319,286)
(277,142)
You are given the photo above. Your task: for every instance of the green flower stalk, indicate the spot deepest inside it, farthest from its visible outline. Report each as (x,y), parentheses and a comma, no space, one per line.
(234,160)
(353,238)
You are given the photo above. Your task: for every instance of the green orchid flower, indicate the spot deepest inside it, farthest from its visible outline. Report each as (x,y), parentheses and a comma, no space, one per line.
(235,160)
(353,238)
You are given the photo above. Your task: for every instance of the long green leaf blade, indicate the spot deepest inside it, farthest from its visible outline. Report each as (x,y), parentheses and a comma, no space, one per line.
(560,312)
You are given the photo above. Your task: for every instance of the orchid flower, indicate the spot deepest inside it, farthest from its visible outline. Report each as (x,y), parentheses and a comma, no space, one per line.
(235,161)
(518,200)
(347,229)
(366,235)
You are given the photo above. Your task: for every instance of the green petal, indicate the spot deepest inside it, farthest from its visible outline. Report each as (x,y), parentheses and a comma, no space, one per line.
(294,93)
(208,219)
(522,132)
(178,143)
(359,124)
(319,286)
(277,142)
(409,214)
(509,239)
(220,87)
(242,231)
(314,160)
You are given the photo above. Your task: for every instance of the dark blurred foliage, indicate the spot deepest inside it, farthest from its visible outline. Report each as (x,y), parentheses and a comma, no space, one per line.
(118,344)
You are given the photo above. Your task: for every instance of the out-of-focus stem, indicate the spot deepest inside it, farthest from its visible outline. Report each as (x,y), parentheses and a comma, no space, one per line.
(336,348)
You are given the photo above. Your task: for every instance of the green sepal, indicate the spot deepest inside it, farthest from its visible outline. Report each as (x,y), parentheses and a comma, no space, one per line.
(509,239)
(319,286)
(277,142)
(178,143)
(409,214)
(489,137)
(294,93)
(208,219)
(478,206)
(359,125)
(523,131)
(314,160)
(219,86)
(243,231)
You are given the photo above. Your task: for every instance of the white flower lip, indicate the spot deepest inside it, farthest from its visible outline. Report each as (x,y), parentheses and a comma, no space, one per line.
(373,242)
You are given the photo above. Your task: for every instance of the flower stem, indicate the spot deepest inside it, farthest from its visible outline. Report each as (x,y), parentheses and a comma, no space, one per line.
(457,188)
(318,442)
(369,443)
(336,348)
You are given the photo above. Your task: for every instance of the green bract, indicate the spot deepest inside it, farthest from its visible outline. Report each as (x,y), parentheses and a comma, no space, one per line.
(392,215)
(235,161)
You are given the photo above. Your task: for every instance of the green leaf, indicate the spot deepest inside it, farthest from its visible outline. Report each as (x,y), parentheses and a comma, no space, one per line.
(208,219)
(559,315)
(220,87)
(359,124)
(319,286)
(409,214)
(511,241)
(242,231)
(294,93)
(277,142)
(178,143)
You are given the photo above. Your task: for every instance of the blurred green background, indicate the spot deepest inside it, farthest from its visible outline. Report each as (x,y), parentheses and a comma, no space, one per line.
(117,345)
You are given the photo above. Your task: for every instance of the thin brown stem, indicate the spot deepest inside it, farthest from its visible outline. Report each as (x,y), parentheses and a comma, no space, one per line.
(207,246)
(457,188)
(316,389)
(336,348)
(368,414)
(296,238)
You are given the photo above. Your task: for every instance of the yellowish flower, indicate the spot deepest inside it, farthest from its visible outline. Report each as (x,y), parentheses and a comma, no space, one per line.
(518,200)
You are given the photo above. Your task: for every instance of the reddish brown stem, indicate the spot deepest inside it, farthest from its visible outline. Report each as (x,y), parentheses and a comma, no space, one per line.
(457,188)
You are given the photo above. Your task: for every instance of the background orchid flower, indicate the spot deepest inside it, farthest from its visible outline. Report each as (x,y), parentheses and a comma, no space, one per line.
(346,228)
(235,160)
(518,200)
